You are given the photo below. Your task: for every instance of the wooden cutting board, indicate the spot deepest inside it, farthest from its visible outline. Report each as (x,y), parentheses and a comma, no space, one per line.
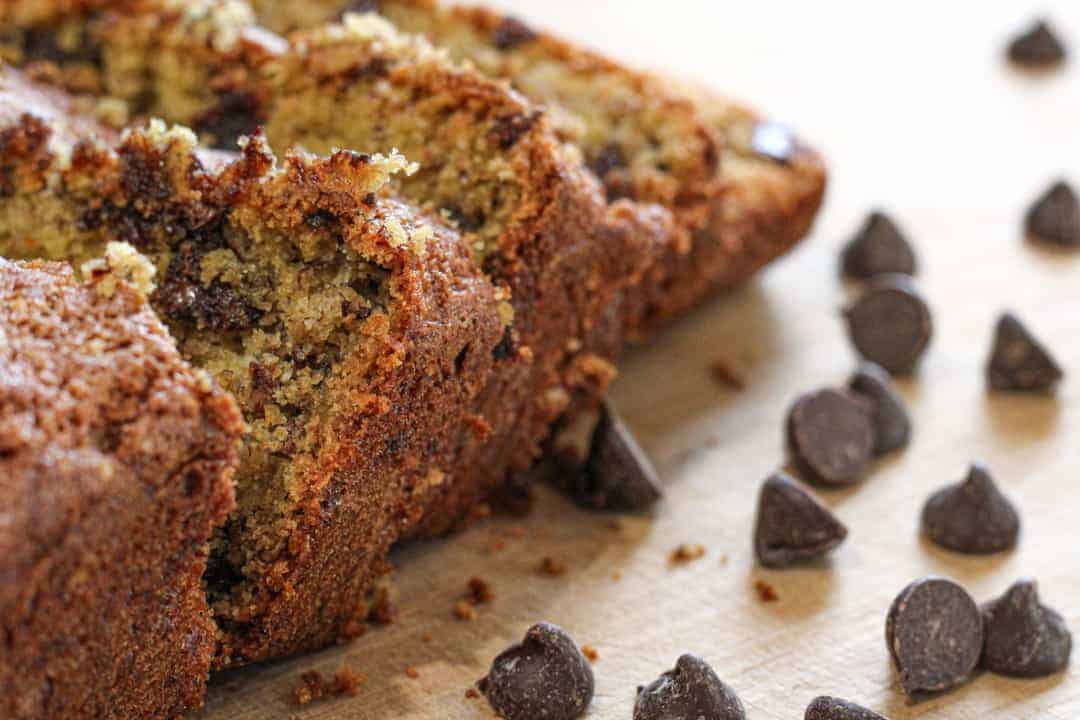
(917,112)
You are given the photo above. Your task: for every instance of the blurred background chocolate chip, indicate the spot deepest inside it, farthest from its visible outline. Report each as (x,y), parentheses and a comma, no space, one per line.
(935,636)
(972,517)
(1037,47)
(830,436)
(890,323)
(879,247)
(1055,217)
(1018,362)
(691,690)
(1024,638)
(545,676)
(792,526)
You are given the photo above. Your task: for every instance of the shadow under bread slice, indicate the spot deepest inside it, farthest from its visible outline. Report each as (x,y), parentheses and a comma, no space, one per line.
(116,464)
(355,332)
(742,190)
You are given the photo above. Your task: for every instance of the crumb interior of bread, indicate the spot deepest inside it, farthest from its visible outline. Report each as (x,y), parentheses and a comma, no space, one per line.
(269,305)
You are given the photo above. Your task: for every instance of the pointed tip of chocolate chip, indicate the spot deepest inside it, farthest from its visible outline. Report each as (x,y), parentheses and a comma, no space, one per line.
(792,526)
(545,675)
(934,632)
(889,411)
(879,247)
(830,436)
(972,517)
(617,475)
(1037,47)
(1054,218)
(830,708)
(1024,638)
(691,690)
(1018,362)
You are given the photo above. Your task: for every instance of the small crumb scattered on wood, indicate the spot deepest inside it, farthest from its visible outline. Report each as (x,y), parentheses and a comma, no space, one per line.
(685,553)
(315,686)
(412,672)
(472,693)
(766,593)
(465,611)
(590,653)
(726,375)
(551,566)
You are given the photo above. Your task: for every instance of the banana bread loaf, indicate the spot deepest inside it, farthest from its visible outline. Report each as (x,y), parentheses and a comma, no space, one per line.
(742,190)
(116,461)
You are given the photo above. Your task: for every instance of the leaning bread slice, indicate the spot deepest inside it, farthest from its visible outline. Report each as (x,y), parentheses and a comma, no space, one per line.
(116,461)
(354,330)
(743,190)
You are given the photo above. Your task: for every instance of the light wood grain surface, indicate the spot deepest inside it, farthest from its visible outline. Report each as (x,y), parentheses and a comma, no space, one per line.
(916,112)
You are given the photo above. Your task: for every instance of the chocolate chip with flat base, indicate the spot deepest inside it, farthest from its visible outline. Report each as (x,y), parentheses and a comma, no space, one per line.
(792,525)
(1018,362)
(690,691)
(1055,217)
(831,436)
(890,323)
(934,632)
(830,708)
(1037,47)
(878,248)
(892,424)
(545,676)
(1024,638)
(972,517)
(617,474)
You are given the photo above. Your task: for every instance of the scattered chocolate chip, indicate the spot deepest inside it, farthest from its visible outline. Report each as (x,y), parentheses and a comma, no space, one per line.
(774,141)
(792,526)
(545,676)
(878,248)
(892,425)
(1055,217)
(935,635)
(617,474)
(1037,47)
(972,516)
(511,33)
(830,708)
(831,436)
(690,690)
(1018,362)
(890,323)
(1024,638)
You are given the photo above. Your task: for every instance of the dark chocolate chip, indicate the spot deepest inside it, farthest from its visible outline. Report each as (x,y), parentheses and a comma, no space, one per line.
(545,676)
(831,436)
(690,691)
(792,526)
(508,129)
(617,474)
(1024,638)
(878,248)
(1018,362)
(1055,217)
(889,413)
(1038,47)
(972,516)
(830,708)
(234,114)
(935,635)
(511,33)
(774,141)
(890,324)
(611,157)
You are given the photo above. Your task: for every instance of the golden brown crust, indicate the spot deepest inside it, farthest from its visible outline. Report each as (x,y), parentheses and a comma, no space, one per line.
(115,465)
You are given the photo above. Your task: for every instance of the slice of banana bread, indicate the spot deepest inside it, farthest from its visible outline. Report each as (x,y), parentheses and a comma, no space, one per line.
(116,461)
(739,202)
(356,333)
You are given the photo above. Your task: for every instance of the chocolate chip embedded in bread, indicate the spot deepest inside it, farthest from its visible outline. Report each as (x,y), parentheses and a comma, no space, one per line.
(892,424)
(972,516)
(1024,638)
(879,247)
(1055,217)
(890,323)
(617,474)
(830,708)
(792,526)
(512,33)
(1037,47)
(690,690)
(935,636)
(831,436)
(1018,362)
(545,676)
